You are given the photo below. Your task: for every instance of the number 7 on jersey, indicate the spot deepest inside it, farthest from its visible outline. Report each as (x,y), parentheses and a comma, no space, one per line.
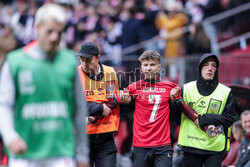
(156,99)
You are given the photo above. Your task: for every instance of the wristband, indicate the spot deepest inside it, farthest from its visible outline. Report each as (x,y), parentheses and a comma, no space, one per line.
(178,100)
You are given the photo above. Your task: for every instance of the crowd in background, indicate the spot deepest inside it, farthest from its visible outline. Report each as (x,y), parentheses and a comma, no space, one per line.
(118,24)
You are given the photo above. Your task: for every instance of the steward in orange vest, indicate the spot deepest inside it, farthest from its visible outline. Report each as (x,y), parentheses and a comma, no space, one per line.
(101,91)
(100,86)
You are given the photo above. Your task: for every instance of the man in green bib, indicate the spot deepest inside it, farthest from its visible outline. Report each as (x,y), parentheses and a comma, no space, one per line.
(213,102)
(42,111)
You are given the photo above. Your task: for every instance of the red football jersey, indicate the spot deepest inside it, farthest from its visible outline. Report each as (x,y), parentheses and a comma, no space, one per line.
(151,117)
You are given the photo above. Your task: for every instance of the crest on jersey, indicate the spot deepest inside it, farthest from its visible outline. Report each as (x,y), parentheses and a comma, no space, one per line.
(214,106)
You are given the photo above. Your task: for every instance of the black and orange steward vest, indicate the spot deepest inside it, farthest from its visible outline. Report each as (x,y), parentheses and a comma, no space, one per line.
(100,92)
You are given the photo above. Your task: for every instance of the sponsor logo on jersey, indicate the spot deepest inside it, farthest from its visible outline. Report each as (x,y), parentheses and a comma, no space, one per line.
(202,104)
(100,91)
(154,90)
(191,104)
(25,81)
(45,110)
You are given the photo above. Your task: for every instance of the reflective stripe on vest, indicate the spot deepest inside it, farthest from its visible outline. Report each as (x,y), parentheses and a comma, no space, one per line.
(192,136)
(100,92)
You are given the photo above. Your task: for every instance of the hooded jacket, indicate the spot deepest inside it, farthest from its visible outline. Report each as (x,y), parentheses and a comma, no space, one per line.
(206,88)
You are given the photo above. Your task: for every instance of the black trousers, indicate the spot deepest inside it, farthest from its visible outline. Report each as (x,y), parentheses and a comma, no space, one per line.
(102,150)
(152,157)
(196,160)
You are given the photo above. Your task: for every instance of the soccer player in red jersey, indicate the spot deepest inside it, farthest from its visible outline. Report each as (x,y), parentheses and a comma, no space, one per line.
(151,129)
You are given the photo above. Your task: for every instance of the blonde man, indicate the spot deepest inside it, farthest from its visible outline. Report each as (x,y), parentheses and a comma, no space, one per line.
(40,101)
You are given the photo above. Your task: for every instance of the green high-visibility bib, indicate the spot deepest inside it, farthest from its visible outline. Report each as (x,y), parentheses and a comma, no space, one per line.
(192,136)
(44,103)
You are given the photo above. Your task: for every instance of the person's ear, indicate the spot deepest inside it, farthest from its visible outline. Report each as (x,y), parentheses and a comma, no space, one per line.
(159,66)
(36,27)
(98,57)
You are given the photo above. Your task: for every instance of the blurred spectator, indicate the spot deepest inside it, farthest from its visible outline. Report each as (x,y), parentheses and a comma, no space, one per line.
(91,20)
(6,13)
(238,131)
(112,41)
(75,29)
(130,28)
(194,11)
(209,9)
(244,149)
(196,40)
(23,21)
(168,21)
(147,27)
(68,7)
(238,134)
(7,42)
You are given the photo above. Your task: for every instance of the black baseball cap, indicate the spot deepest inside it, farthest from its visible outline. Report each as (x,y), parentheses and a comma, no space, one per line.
(88,50)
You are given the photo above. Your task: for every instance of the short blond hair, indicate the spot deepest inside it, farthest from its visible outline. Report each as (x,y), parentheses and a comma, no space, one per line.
(150,55)
(50,11)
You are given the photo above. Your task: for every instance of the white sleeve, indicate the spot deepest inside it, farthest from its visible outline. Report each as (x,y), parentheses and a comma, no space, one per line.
(82,148)
(7,99)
